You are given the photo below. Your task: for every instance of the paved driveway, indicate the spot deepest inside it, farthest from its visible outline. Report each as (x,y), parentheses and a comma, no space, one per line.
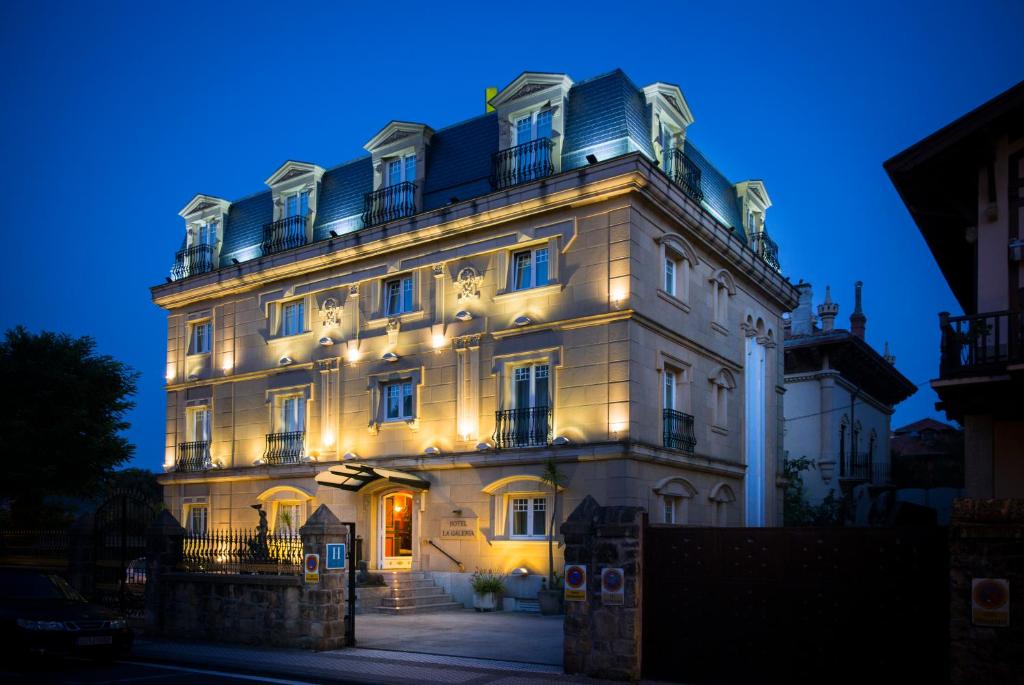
(504,635)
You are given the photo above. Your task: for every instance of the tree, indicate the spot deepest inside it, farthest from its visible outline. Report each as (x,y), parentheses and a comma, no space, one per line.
(554,479)
(796,510)
(61,416)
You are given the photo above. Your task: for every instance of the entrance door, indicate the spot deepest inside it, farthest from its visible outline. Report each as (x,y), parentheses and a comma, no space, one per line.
(396,530)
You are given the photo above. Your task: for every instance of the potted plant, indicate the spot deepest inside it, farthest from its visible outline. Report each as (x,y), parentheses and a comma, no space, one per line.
(550,595)
(487,589)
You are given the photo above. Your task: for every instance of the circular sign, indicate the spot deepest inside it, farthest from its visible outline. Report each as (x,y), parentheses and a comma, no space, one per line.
(312,562)
(575,577)
(612,579)
(990,595)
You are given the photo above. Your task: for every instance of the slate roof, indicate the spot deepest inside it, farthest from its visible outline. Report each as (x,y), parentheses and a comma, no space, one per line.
(606,115)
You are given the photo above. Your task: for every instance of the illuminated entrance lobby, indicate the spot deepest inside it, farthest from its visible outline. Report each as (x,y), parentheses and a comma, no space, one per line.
(414,337)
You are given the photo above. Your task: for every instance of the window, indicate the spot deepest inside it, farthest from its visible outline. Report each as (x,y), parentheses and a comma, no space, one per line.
(530,268)
(670,275)
(205,233)
(533,126)
(530,387)
(292,415)
(670,508)
(670,389)
(401,169)
(720,387)
(196,519)
(296,204)
(528,517)
(197,428)
(199,342)
(398,405)
(289,518)
(293,318)
(398,296)
(668,144)
(722,289)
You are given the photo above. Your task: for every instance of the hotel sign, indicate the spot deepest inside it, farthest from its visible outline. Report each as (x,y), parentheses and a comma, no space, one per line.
(458,529)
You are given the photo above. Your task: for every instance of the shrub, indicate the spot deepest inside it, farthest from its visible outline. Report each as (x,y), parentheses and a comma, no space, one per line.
(485,582)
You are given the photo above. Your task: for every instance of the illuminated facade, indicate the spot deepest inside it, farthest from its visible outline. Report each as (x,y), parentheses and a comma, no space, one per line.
(563,277)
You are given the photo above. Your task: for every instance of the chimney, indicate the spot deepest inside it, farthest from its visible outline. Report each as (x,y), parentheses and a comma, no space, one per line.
(803,318)
(857,319)
(828,311)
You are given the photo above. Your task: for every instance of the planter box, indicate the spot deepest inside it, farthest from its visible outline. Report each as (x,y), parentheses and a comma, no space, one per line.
(485,602)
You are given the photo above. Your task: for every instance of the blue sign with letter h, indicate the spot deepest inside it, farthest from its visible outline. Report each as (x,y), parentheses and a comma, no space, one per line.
(335,556)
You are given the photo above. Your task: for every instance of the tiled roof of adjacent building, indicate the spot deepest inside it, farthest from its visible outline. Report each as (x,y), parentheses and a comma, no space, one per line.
(606,115)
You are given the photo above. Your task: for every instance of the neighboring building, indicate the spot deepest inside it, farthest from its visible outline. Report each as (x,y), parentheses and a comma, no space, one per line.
(927,454)
(964,188)
(840,395)
(409,336)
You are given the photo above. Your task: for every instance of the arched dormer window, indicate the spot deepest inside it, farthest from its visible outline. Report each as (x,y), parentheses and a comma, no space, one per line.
(721,498)
(678,260)
(722,288)
(722,383)
(673,495)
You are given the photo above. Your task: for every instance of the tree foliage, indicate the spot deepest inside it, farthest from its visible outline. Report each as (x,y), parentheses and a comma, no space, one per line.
(62,416)
(797,511)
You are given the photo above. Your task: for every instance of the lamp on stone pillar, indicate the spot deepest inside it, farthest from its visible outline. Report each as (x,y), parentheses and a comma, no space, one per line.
(857,320)
(828,311)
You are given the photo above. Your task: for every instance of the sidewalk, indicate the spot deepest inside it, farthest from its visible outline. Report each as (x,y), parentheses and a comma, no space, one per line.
(351,665)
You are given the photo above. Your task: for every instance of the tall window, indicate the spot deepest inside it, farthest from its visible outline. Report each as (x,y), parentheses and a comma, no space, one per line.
(721,384)
(530,268)
(534,126)
(668,143)
(293,318)
(293,414)
(289,518)
(529,515)
(401,169)
(205,233)
(721,289)
(670,509)
(530,387)
(198,426)
(670,275)
(196,519)
(398,296)
(199,342)
(297,204)
(398,405)
(670,389)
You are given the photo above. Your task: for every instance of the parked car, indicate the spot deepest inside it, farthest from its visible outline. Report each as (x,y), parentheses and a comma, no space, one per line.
(41,614)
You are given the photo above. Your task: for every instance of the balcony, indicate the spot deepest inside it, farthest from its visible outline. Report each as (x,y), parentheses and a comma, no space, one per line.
(522,163)
(685,174)
(529,427)
(980,344)
(284,448)
(765,248)
(677,431)
(284,234)
(193,456)
(389,203)
(197,259)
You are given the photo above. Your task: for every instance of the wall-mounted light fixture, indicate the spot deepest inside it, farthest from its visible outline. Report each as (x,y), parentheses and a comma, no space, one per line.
(326,341)
(234,261)
(350,455)
(560,441)
(389,357)
(432,451)
(258,461)
(463,315)
(193,376)
(522,321)
(591,159)
(334,234)
(483,446)
(353,355)
(437,341)
(618,294)
(285,361)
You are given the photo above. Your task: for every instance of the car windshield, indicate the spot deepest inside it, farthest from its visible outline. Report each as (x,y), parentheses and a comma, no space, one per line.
(16,584)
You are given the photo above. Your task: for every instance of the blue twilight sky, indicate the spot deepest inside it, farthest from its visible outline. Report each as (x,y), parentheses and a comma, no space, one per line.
(115,114)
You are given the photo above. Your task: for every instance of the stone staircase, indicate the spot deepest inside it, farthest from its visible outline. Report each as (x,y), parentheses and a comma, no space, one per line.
(414,592)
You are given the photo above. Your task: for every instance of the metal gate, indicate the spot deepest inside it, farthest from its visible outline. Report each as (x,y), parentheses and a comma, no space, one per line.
(119,536)
(739,604)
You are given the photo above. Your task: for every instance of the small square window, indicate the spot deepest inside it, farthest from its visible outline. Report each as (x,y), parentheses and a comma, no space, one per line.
(199,341)
(398,296)
(398,404)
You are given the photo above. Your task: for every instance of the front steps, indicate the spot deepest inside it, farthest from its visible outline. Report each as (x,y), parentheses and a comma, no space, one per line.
(414,592)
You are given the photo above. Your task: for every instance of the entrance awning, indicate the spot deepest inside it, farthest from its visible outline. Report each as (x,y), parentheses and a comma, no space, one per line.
(353,477)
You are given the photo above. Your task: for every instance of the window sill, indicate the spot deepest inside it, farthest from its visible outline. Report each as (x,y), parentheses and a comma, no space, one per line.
(715,326)
(549,289)
(290,336)
(720,430)
(382,320)
(673,300)
(197,355)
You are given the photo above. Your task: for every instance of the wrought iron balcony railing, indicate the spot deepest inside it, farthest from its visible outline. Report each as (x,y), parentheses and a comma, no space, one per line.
(197,259)
(685,174)
(284,448)
(980,343)
(389,203)
(193,456)
(529,427)
(284,234)
(677,430)
(522,163)
(765,248)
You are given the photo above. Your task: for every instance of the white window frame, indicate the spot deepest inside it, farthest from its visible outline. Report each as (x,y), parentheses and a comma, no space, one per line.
(200,343)
(204,518)
(670,509)
(534,253)
(198,423)
(406,285)
(292,421)
(670,389)
(203,233)
(403,162)
(288,321)
(297,507)
(531,501)
(533,115)
(533,369)
(298,197)
(403,388)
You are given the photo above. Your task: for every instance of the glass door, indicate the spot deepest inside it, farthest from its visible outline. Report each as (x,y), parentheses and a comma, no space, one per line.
(396,530)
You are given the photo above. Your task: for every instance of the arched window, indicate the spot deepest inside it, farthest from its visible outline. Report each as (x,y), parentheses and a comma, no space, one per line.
(721,384)
(678,260)
(287,508)
(721,498)
(672,500)
(722,288)
(522,507)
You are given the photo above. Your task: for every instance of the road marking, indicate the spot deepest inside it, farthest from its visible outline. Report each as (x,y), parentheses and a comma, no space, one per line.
(223,674)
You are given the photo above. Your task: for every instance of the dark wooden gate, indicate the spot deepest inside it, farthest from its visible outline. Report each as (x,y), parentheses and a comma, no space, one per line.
(806,604)
(120,550)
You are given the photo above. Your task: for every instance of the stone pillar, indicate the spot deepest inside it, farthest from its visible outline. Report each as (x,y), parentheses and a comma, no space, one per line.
(605,641)
(325,601)
(986,541)
(163,552)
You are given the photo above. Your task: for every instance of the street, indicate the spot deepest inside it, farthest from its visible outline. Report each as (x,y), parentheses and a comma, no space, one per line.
(82,672)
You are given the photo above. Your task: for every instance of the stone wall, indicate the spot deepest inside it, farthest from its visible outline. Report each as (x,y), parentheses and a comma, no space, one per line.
(604,641)
(986,541)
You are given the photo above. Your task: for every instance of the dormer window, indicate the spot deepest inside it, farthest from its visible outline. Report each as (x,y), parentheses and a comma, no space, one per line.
(399,152)
(753,205)
(204,221)
(294,188)
(205,233)
(531,123)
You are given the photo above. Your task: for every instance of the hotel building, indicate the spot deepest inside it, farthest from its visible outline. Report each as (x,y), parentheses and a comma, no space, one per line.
(412,336)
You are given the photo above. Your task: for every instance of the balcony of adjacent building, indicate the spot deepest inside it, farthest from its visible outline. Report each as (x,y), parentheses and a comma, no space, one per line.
(193,260)
(765,248)
(389,203)
(284,448)
(193,456)
(684,173)
(284,234)
(527,427)
(529,161)
(855,469)
(677,431)
(980,344)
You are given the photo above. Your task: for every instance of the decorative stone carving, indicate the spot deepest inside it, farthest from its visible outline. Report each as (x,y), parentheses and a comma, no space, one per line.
(330,313)
(397,135)
(353,290)
(466,342)
(530,89)
(394,324)
(467,284)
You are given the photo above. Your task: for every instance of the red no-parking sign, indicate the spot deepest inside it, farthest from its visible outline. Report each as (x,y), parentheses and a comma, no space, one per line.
(312,567)
(575,583)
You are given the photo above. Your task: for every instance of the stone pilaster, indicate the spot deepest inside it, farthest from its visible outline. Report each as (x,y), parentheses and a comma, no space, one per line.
(326,600)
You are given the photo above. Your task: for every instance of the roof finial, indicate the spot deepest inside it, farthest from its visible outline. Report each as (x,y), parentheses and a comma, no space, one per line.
(857,320)
(828,311)
(888,356)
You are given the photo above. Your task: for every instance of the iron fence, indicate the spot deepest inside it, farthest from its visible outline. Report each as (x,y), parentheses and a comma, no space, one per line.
(677,430)
(284,234)
(978,342)
(529,427)
(765,248)
(522,163)
(389,203)
(242,551)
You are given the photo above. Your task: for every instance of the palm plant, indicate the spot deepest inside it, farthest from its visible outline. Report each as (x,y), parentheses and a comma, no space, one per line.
(554,479)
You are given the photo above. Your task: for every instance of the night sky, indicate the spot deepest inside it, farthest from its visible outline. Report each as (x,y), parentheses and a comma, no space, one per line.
(114,115)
